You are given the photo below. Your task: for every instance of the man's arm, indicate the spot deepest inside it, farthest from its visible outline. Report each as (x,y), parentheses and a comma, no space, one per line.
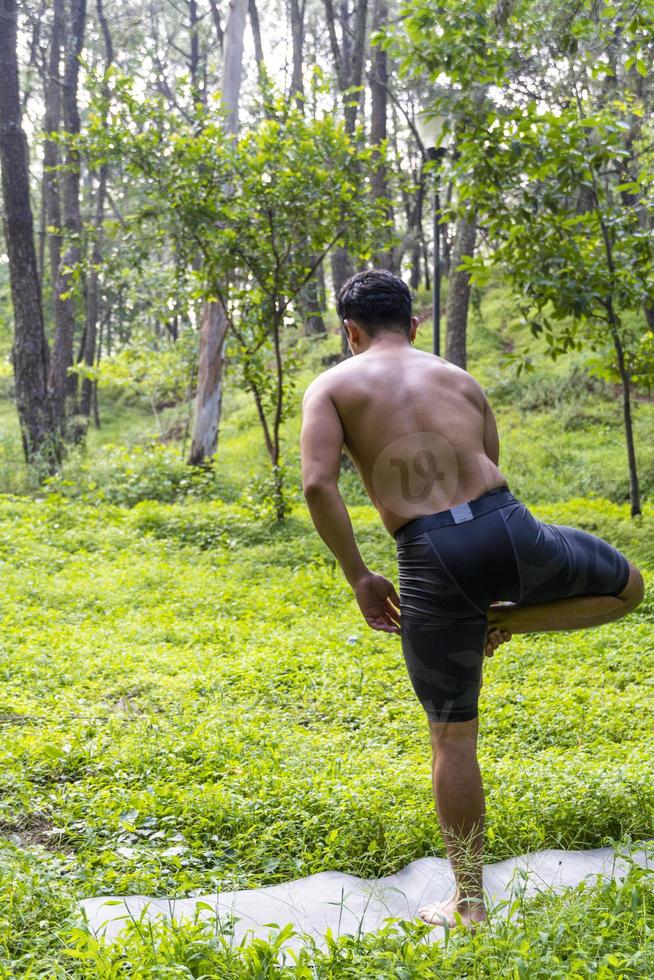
(491,437)
(321,443)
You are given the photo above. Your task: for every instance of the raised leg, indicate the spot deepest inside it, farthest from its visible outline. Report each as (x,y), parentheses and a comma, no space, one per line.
(579,612)
(459,798)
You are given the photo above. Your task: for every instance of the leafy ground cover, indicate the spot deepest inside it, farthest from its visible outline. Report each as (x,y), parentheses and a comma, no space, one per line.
(190,701)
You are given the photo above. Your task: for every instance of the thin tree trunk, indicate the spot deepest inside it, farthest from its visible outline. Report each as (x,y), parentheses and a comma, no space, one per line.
(625,380)
(209,394)
(255,27)
(215,322)
(61,384)
(296,9)
(51,124)
(378,119)
(307,301)
(309,304)
(30,354)
(194,53)
(458,292)
(93,285)
(348,58)
(93,295)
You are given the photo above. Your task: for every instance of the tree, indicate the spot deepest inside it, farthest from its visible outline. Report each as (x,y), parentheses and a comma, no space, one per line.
(348,57)
(215,321)
(555,165)
(548,186)
(30,354)
(51,176)
(460,58)
(458,290)
(378,80)
(89,346)
(309,300)
(240,206)
(62,384)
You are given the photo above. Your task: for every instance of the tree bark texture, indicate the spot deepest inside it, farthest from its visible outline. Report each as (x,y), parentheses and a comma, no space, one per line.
(62,385)
(379,118)
(458,292)
(215,322)
(30,354)
(93,283)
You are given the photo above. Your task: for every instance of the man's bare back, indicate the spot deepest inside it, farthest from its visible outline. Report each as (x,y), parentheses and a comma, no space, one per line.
(418,429)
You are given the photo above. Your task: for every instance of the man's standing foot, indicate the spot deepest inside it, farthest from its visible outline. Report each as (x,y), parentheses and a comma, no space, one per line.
(472,912)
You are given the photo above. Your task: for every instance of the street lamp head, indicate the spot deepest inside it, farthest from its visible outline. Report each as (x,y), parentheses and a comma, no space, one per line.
(431,129)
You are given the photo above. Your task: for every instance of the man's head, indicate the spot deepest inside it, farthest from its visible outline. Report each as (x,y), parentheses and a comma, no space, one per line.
(373,303)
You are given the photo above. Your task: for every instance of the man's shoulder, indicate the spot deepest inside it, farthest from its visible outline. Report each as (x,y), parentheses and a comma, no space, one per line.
(461,375)
(331,380)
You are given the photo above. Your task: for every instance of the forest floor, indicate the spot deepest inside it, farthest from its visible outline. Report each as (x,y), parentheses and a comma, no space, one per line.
(190,701)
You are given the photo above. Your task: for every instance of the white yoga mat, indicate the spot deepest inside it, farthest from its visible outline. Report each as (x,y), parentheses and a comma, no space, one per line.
(349,905)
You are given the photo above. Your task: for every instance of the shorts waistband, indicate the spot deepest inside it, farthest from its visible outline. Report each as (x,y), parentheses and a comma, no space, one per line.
(491,500)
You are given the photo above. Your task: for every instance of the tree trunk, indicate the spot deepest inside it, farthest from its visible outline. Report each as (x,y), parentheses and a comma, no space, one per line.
(308,300)
(204,440)
(356,58)
(62,386)
(458,293)
(378,119)
(51,124)
(30,354)
(348,58)
(415,229)
(342,269)
(93,284)
(93,296)
(634,489)
(194,52)
(309,303)
(296,9)
(255,27)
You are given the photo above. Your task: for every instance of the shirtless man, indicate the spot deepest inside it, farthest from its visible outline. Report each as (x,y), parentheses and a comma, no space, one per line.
(474,565)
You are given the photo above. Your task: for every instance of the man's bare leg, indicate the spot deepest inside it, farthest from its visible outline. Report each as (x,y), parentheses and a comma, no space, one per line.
(459,798)
(580,612)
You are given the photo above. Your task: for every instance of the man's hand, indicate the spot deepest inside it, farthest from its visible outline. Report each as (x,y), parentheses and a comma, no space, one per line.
(494,639)
(497,631)
(379,602)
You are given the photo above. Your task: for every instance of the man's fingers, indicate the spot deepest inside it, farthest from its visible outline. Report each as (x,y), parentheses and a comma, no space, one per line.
(392,612)
(383,623)
(494,638)
(394,596)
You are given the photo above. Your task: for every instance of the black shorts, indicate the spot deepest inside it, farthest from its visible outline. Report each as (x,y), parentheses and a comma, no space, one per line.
(454,564)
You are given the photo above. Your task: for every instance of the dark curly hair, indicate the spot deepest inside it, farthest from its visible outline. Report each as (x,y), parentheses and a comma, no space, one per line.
(377,300)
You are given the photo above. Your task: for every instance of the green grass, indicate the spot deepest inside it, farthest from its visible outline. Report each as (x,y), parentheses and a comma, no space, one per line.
(190,700)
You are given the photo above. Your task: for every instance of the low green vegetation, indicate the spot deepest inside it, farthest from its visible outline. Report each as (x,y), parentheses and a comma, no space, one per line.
(190,702)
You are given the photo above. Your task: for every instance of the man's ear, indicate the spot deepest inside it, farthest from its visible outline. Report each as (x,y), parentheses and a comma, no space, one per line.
(351,329)
(414,327)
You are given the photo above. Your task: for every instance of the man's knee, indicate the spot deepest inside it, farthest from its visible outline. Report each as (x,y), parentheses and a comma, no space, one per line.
(634,591)
(454,735)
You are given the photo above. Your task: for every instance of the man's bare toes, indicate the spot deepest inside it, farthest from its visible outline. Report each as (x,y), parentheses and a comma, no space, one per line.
(435,915)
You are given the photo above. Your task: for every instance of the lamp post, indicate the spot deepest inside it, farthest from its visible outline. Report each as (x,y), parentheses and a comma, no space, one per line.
(430,129)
